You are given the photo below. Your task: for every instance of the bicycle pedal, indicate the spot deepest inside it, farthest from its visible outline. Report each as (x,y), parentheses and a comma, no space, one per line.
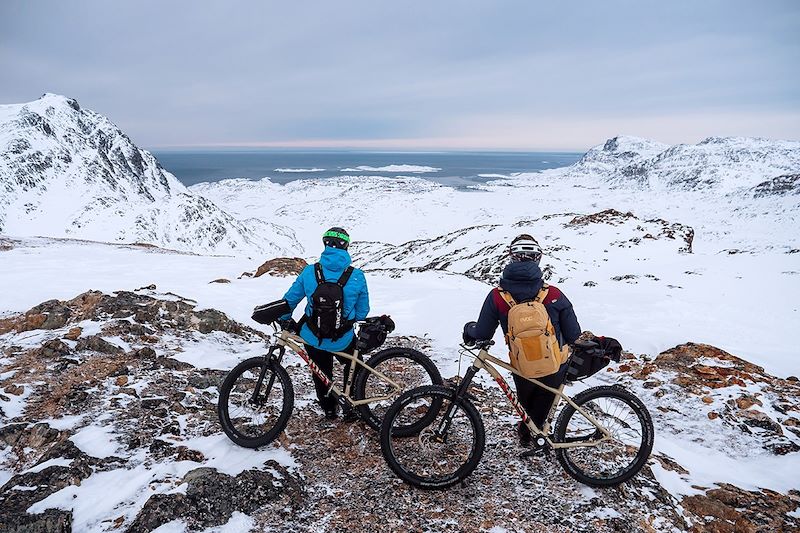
(534,452)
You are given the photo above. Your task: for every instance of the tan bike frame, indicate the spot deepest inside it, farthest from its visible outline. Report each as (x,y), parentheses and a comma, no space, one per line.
(486,361)
(296,343)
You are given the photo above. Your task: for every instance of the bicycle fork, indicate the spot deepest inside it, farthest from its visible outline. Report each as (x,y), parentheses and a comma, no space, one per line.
(268,358)
(440,435)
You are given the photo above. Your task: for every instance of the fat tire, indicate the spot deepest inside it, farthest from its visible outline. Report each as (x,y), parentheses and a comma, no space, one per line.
(360,383)
(286,411)
(645,420)
(447,396)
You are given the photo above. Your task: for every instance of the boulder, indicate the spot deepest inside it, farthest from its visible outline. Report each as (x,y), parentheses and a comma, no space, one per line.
(282,266)
(212,497)
(96,343)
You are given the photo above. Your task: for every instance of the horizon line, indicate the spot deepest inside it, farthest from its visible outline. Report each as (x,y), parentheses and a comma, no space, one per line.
(376,149)
(394,145)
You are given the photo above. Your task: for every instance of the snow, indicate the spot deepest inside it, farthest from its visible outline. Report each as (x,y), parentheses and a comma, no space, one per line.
(59,461)
(239,522)
(228,458)
(299,170)
(413,169)
(424,247)
(92,502)
(15,404)
(97,441)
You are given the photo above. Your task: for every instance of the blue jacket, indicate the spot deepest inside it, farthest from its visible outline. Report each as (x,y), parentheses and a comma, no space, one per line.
(356,299)
(523,279)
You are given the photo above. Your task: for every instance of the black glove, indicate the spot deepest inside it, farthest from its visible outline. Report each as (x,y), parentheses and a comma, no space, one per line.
(289,325)
(388,323)
(468,340)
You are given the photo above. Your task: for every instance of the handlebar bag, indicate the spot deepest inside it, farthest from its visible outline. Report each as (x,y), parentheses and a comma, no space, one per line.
(590,357)
(271,312)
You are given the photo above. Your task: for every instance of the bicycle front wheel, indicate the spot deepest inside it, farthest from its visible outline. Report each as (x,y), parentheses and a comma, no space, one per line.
(442,453)
(407,367)
(253,418)
(613,461)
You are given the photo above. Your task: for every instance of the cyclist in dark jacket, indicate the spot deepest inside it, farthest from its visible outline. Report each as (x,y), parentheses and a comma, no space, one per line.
(334,260)
(523,279)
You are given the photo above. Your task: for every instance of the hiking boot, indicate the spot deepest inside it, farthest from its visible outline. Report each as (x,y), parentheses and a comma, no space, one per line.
(349,414)
(331,412)
(524,434)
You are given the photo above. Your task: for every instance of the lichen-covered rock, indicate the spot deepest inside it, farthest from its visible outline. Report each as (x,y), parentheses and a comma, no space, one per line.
(50,521)
(96,343)
(212,497)
(730,508)
(282,266)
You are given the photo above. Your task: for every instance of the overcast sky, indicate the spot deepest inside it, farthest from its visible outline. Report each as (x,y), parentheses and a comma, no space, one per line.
(412,74)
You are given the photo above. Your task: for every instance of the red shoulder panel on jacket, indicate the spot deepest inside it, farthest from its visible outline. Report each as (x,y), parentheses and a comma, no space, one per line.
(499,302)
(553,294)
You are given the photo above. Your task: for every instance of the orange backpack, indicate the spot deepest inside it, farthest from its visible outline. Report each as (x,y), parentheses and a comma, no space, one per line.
(532,342)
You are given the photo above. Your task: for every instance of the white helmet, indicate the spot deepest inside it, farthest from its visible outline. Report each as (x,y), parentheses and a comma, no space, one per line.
(525,248)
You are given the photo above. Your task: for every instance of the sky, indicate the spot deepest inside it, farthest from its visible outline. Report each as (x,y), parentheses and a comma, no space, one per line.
(488,75)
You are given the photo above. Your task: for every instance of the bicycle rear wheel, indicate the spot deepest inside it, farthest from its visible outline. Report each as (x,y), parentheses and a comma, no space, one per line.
(252,420)
(613,461)
(433,458)
(407,367)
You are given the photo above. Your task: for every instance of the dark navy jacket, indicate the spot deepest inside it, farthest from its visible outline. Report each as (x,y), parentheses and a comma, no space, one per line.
(523,279)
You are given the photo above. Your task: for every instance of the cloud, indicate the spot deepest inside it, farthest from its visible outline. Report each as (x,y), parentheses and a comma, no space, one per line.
(444,74)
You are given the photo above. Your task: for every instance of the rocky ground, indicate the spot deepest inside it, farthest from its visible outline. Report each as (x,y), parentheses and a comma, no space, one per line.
(109,424)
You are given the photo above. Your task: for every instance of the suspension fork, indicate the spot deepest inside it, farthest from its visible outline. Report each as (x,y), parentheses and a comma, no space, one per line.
(461,392)
(269,358)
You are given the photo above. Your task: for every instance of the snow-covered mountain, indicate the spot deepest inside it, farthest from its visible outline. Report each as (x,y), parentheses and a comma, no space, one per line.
(719,164)
(66,171)
(618,156)
(575,246)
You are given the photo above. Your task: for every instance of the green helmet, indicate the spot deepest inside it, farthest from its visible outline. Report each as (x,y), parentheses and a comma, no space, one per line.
(336,238)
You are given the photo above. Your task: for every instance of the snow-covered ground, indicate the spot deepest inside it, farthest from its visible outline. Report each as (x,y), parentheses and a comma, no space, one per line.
(645,258)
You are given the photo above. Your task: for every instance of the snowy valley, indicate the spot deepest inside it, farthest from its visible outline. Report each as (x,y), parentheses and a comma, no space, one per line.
(124,303)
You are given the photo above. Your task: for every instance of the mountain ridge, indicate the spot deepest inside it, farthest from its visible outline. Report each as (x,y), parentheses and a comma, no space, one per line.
(66,171)
(721,164)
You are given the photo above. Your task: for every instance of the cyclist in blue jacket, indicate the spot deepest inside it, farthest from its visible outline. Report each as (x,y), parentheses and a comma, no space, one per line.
(334,261)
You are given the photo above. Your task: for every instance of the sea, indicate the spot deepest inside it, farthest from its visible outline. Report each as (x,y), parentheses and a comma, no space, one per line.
(455,169)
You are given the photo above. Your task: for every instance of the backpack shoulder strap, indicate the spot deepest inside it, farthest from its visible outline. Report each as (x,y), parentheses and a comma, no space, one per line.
(345,276)
(507,297)
(543,293)
(318,273)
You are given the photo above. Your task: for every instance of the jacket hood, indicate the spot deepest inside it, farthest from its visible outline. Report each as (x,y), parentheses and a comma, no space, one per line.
(335,259)
(523,279)
(522,271)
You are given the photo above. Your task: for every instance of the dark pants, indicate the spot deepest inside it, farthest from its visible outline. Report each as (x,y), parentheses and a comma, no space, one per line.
(536,400)
(324,361)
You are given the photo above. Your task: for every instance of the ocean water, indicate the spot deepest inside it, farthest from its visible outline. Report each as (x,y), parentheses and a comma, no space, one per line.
(456,169)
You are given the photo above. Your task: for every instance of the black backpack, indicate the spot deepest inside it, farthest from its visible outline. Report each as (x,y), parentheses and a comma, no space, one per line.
(327,320)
